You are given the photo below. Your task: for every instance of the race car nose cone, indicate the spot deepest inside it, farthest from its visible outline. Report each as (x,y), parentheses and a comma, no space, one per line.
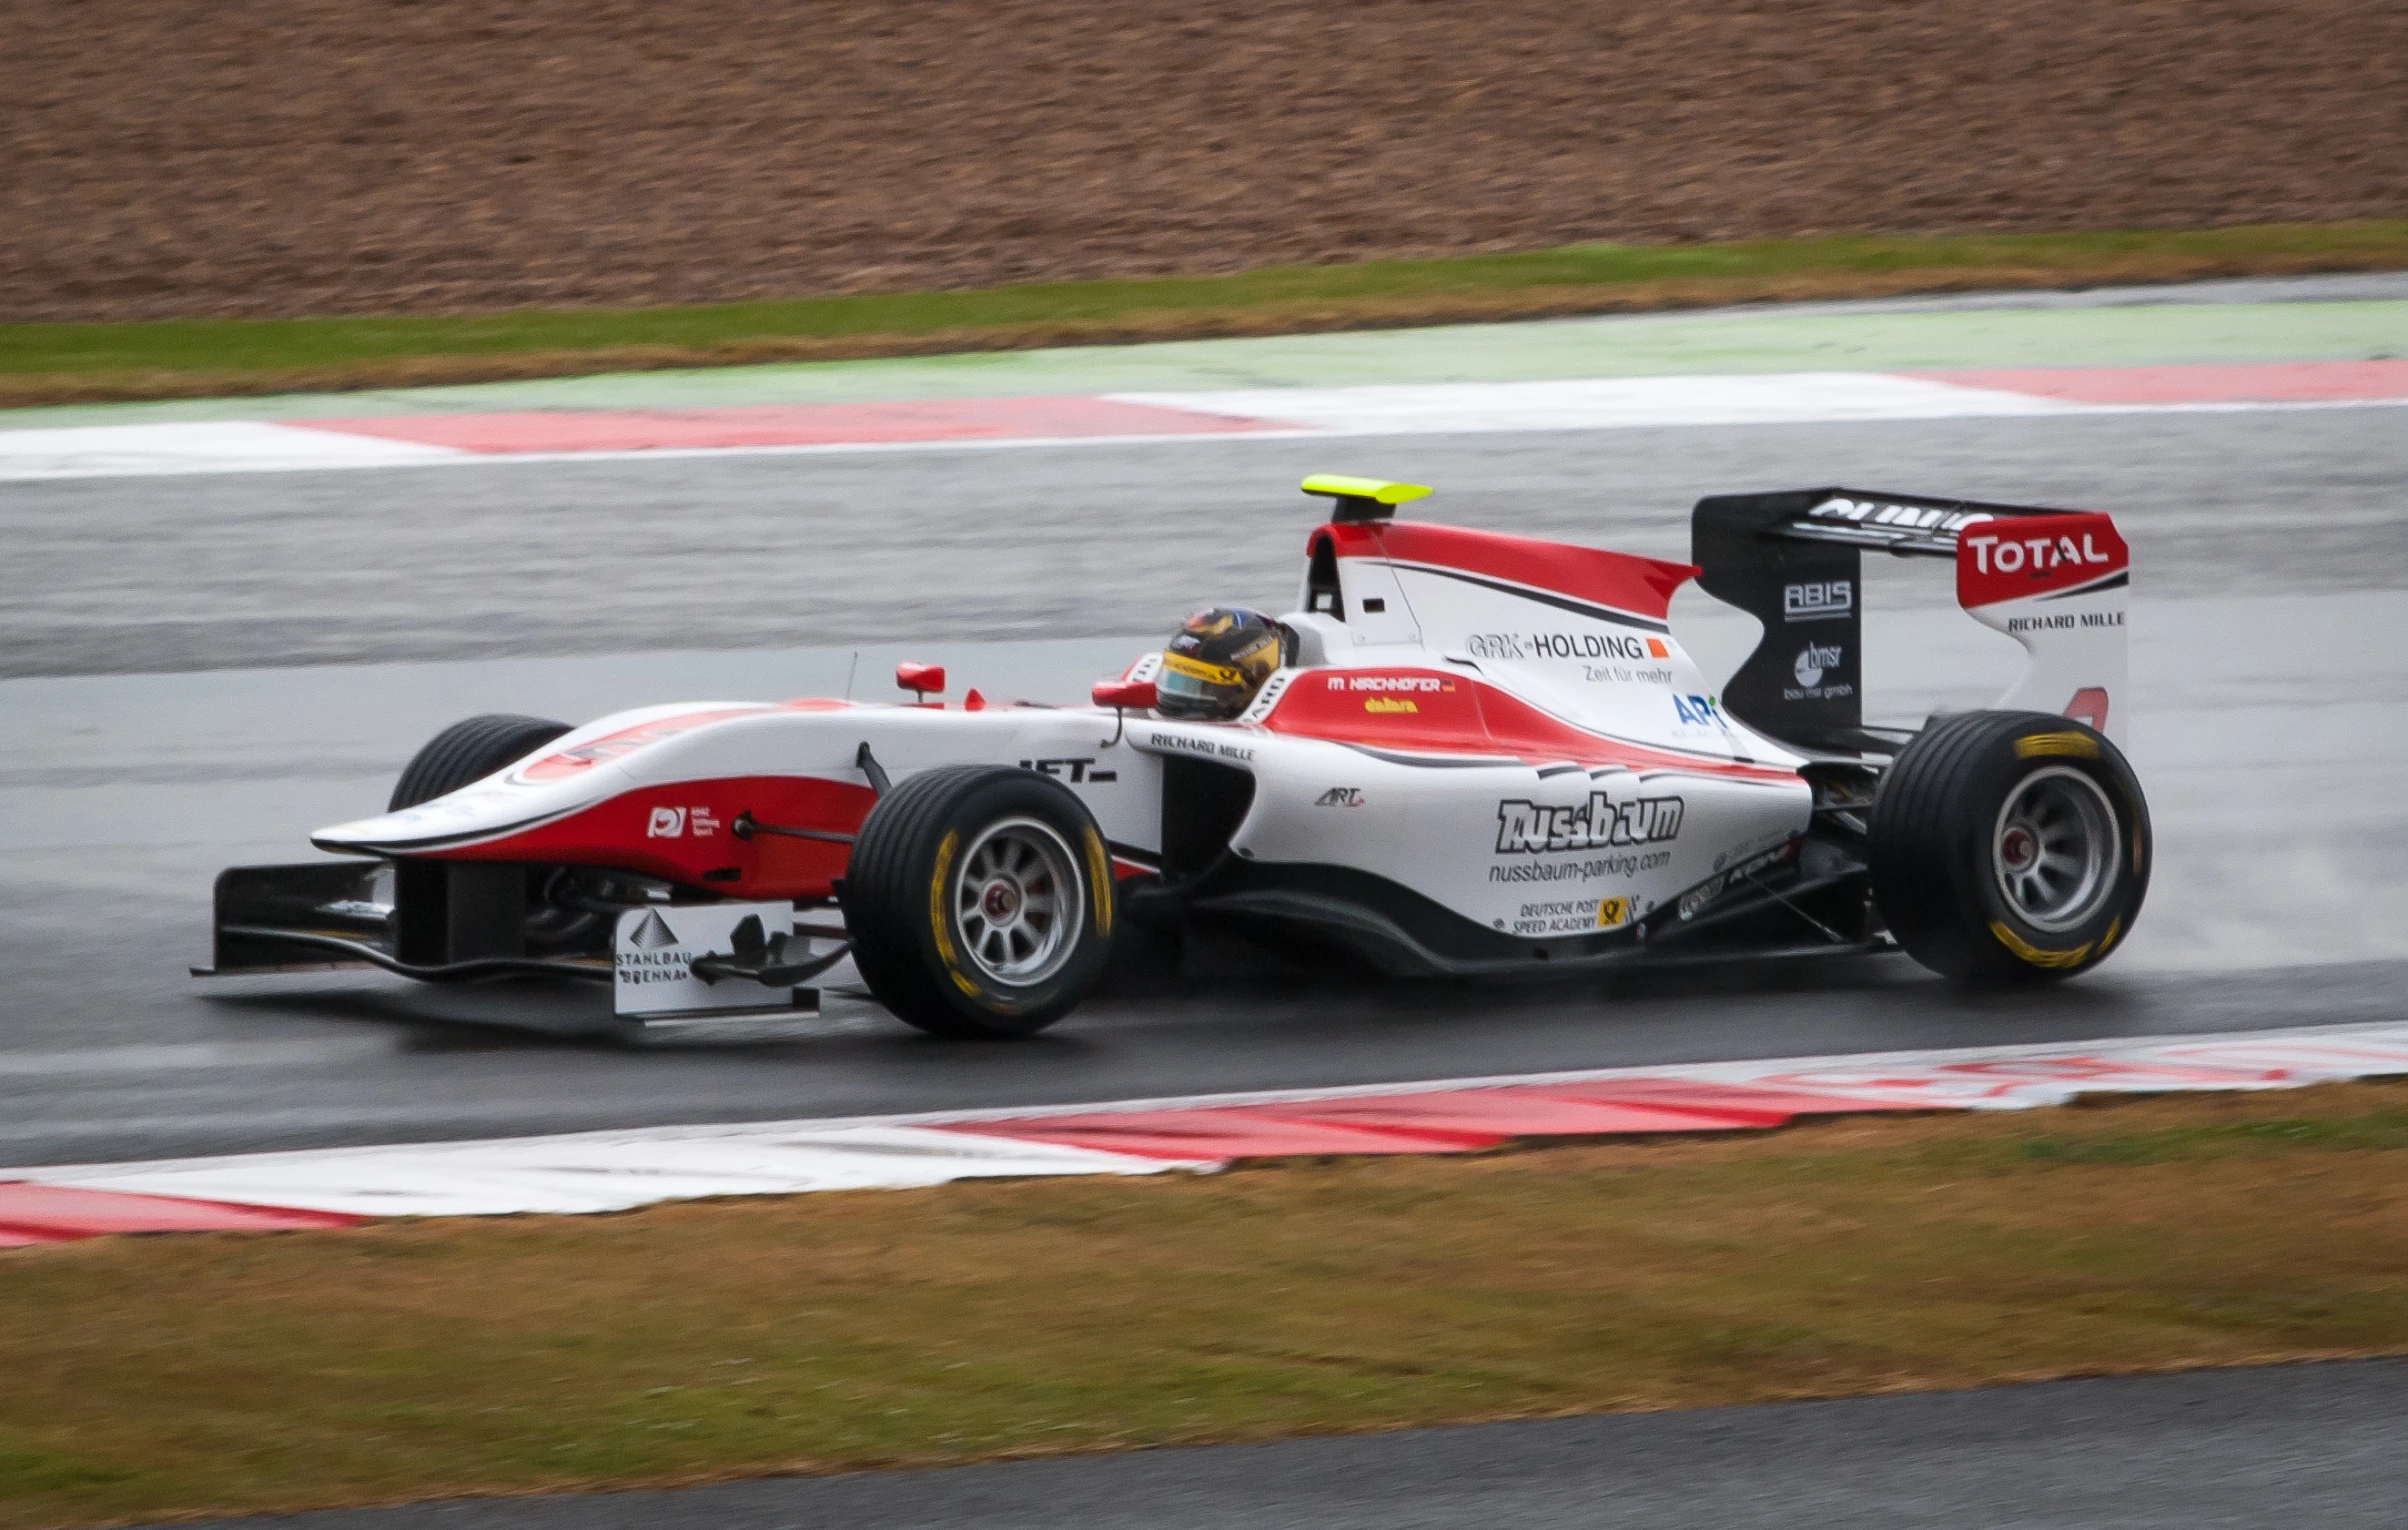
(1000,901)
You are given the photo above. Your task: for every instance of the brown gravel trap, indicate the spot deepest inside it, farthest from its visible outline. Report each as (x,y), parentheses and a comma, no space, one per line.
(163,158)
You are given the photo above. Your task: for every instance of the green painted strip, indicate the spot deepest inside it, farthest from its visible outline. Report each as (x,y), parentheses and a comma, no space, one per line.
(1768,340)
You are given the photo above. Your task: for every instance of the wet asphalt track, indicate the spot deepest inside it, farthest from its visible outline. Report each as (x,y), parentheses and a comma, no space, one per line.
(2290,1445)
(2271,652)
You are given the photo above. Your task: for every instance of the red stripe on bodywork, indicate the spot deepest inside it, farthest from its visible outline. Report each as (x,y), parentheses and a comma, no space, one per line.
(692,835)
(1624,582)
(2259,382)
(1462,716)
(947,419)
(32,1213)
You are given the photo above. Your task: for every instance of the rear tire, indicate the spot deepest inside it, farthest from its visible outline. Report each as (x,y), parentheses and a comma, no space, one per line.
(469,751)
(2009,847)
(979,899)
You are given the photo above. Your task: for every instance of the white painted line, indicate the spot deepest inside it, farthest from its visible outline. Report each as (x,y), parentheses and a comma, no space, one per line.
(245,450)
(1613,403)
(210,446)
(615,1170)
(596,1171)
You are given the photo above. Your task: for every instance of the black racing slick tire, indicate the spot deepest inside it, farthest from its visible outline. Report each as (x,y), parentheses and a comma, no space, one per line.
(2009,847)
(979,899)
(469,751)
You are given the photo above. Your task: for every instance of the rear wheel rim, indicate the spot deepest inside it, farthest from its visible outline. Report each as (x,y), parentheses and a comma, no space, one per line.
(1016,902)
(2055,849)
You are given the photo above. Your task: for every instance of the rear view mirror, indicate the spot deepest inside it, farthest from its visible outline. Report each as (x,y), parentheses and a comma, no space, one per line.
(921,679)
(1129,695)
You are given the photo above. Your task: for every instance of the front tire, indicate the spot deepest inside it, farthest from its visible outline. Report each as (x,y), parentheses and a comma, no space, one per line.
(2009,847)
(979,899)
(469,751)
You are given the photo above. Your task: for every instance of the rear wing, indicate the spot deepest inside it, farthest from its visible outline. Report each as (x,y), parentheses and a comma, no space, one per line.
(2054,580)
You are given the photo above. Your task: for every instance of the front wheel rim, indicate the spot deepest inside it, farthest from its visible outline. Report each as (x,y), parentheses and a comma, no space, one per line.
(2055,849)
(1017,902)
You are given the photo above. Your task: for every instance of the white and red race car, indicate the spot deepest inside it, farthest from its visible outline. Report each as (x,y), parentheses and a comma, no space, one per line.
(1480,754)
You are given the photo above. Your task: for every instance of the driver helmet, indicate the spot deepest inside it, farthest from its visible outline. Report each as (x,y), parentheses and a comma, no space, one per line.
(1215,663)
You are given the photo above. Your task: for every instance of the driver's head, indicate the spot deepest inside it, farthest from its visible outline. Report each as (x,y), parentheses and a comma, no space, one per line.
(1215,663)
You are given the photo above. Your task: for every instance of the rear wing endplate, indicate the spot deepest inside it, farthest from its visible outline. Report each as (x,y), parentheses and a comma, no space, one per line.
(2054,580)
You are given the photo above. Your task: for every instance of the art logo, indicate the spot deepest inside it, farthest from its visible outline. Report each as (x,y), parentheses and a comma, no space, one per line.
(1812,660)
(1340,796)
(1533,828)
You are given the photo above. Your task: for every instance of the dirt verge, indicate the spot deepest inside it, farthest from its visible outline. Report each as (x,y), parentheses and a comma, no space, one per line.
(983,1320)
(165,158)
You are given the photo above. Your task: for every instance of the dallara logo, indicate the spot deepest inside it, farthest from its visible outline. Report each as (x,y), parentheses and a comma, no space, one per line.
(1530,828)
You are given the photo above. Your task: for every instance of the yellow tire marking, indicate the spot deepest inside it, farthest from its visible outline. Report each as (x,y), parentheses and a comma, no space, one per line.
(1099,873)
(2035,744)
(2034,956)
(937,920)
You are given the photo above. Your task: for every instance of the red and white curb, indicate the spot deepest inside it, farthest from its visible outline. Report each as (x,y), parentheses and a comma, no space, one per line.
(615,1170)
(1789,398)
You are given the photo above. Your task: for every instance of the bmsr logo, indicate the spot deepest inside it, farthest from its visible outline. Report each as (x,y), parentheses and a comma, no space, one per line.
(1812,660)
(667,823)
(1531,828)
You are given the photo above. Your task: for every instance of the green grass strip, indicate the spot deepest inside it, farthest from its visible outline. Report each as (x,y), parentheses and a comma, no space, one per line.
(56,363)
(150,1377)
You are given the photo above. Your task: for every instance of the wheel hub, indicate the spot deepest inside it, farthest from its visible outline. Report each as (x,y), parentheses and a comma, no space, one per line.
(1001,901)
(1018,902)
(2057,849)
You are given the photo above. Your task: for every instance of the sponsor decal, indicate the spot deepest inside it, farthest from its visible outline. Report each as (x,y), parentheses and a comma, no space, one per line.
(1579,916)
(1713,887)
(1268,697)
(1212,748)
(2065,621)
(1812,660)
(1873,512)
(1533,828)
(653,934)
(1591,870)
(1413,684)
(1817,600)
(677,822)
(2038,554)
(1210,674)
(1564,645)
(1340,796)
(653,952)
(1697,711)
(1074,770)
(1660,675)
(1812,663)
(1389,704)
